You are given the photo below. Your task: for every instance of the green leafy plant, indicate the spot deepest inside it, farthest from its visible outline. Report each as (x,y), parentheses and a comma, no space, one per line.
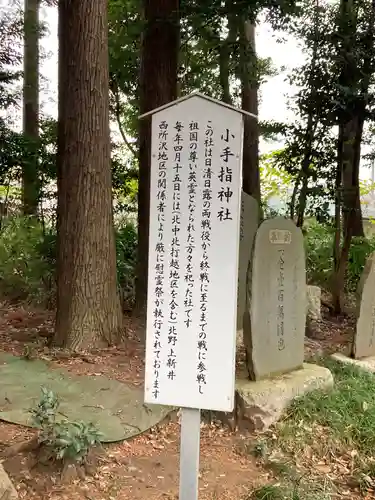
(28,260)
(126,255)
(66,440)
(44,414)
(319,255)
(24,272)
(73,440)
(360,250)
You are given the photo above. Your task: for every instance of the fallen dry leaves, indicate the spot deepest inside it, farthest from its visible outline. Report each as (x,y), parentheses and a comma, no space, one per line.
(144,467)
(148,465)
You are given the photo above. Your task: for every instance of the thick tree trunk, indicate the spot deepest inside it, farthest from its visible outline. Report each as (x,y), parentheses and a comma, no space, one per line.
(311,127)
(338,204)
(158,85)
(249,102)
(305,170)
(338,282)
(224,55)
(351,75)
(30,179)
(293,199)
(225,51)
(347,176)
(349,143)
(88,306)
(250,160)
(351,208)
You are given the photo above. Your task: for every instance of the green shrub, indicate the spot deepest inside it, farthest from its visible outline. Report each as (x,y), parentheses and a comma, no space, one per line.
(28,260)
(24,272)
(65,440)
(47,247)
(360,249)
(319,256)
(44,413)
(126,254)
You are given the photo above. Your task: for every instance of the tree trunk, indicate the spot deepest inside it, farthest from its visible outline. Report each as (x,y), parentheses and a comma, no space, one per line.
(310,127)
(349,152)
(225,50)
(338,278)
(338,285)
(293,198)
(305,170)
(30,179)
(248,72)
(353,132)
(88,307)
(224,55)
(158,86)
(351,75)
(338,204)
(249,102)
(352,212)
(349,143)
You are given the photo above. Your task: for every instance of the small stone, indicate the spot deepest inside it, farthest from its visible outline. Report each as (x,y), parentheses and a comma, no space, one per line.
(314,294)
(7,490)
(69,473)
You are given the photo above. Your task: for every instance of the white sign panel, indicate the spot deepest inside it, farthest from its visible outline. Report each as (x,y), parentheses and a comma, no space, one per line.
(196,183)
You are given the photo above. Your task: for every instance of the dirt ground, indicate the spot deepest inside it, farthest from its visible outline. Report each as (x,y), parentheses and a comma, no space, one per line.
(146,466)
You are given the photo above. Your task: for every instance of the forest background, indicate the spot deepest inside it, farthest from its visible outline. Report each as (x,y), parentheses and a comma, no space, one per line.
(307,68)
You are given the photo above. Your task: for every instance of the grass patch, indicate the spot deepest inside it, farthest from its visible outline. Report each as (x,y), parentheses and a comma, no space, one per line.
(269,492)
(346,412)
(292,482)
(296,491)
(330,433)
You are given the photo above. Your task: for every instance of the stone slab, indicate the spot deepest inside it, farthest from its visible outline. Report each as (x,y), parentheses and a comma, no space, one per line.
(117,409)
(364,337)
(362,280)
(278,299)
(367,364)
(261,403)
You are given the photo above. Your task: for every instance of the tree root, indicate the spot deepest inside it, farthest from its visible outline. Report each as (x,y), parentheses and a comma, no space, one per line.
(25,446)
(70,470)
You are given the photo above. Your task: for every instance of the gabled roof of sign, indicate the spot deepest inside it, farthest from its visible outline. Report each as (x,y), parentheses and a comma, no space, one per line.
(202,96)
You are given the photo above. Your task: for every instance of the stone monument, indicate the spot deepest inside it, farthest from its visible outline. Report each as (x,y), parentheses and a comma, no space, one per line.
(278,299)
(363,350)
(248,228)
(313,310)
(274,328)
(364,338)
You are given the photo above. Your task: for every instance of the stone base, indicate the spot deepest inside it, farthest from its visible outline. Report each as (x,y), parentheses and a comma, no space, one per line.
(367,364)
(260,404)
